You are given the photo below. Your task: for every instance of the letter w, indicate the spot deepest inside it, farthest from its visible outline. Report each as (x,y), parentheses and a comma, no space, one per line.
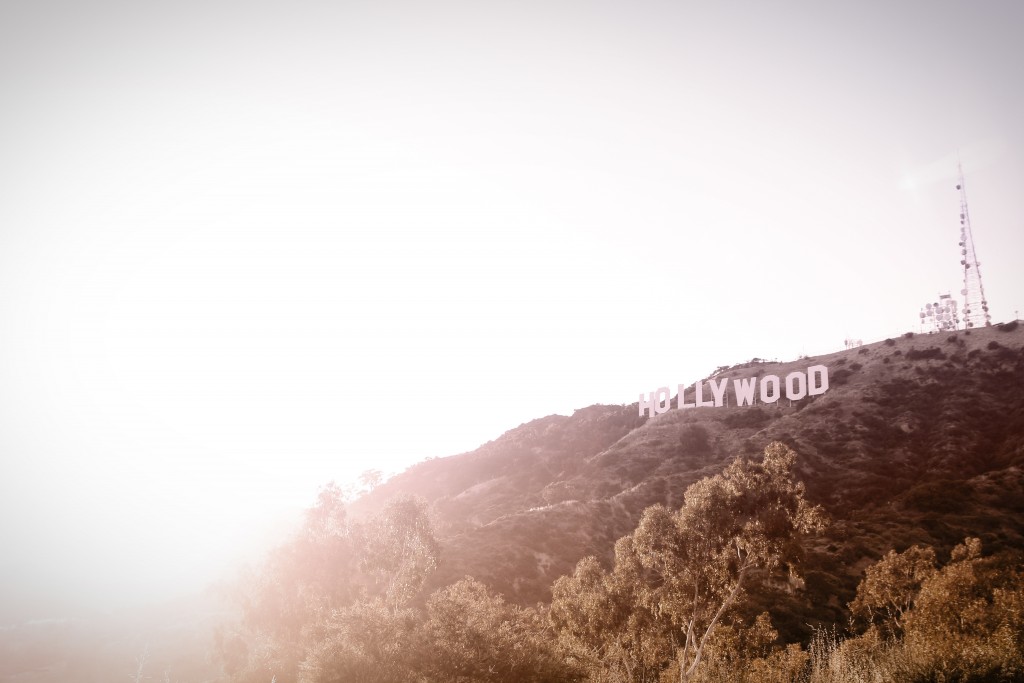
(744,390)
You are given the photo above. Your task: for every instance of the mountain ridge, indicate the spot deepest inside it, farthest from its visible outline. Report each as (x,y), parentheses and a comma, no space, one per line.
(919,439)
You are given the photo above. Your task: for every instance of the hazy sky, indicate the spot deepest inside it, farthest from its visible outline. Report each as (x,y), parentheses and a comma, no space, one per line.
(248,248)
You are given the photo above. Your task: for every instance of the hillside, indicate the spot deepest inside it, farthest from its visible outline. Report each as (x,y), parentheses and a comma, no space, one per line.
(919,439)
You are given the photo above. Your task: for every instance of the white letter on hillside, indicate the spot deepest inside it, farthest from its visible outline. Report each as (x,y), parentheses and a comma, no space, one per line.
(663,401)
(744,390)
(647,405)
(701,403)
(821,386)
(766,381)
(718,390)
(682,398)
(799,391)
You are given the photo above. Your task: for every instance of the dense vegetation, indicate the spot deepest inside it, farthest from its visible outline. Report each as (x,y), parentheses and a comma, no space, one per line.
(595,555)
(344,601)
(925,450)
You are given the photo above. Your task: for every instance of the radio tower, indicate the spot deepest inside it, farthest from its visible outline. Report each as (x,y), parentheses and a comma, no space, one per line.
(975,305)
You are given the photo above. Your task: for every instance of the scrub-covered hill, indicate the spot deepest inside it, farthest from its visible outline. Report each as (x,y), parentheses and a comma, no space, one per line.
(918,439)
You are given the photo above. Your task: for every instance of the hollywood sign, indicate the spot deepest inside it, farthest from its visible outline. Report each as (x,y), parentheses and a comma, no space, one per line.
(769,389)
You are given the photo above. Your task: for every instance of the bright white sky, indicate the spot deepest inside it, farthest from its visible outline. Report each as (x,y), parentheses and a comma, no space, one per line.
(248,248)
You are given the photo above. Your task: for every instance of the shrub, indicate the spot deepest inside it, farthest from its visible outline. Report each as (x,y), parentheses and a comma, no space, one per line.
(926,354)
(938,496)
(1008,327)
(964,625)
(747,417)
(840,376)
(694,440)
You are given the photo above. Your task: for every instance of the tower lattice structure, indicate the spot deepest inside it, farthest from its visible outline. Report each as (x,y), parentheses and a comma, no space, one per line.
(975,310)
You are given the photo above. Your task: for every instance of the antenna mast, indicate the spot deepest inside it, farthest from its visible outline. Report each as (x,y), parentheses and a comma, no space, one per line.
(975,309)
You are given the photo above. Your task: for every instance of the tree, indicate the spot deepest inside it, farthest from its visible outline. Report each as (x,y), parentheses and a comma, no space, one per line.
(699,560)
(969,616)
(471,634)
(334,598)
(288,602)
(604,625)
(372,639)
(368,642)
(963,622)
(399,550)
(738,653)
(679,573)
(370,479)
(891,585)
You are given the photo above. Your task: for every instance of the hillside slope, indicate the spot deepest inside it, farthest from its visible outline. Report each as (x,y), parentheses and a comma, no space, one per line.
(918,440)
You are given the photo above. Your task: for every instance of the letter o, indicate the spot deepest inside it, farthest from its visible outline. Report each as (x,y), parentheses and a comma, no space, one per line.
(795,393)
(662,400)
(773,382)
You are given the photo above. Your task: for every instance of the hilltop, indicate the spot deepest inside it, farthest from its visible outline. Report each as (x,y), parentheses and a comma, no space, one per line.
(919,439)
